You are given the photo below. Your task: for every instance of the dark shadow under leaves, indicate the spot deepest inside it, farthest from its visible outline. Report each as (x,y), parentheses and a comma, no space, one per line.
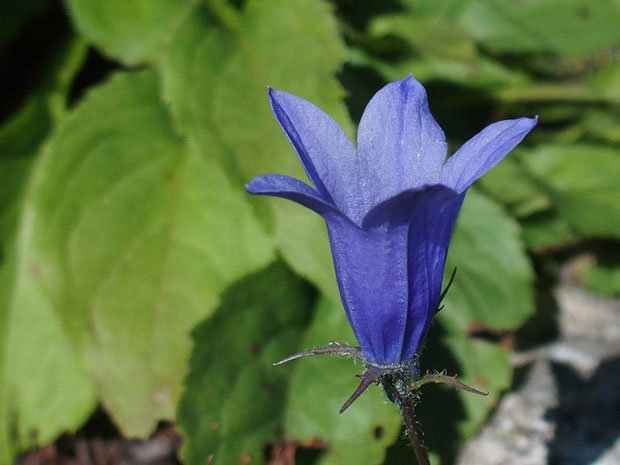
(586,418)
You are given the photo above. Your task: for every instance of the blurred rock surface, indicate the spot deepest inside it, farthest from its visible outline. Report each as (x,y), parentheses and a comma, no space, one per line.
(566,411)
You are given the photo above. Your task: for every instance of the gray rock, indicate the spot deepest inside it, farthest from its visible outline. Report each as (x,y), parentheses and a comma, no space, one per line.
(567,409)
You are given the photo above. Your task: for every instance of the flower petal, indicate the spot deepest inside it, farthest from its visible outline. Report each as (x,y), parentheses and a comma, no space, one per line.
(483,151)
(278,185)
(425,218)
(372,278)
(399,142)
(326,153)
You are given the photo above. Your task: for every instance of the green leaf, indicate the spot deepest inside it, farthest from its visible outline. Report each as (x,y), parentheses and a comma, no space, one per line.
(546,230)
(132,31)
(44,391)
(603,124)
(262,319)
(234,397)
(510,183)
(22,134)
(220,63)
(445,9)
(582,181)
(319,387)
(483,73)
(493,286)
(525,26)
(431,36)
(607,81)
(19,140)
(139,231)
(426,39)
(302,237)
(484,366)
(601,277)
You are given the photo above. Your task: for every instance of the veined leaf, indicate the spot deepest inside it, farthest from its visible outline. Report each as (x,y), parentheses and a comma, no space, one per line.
(220,63)
(493,285)
(132,31)
(582,181)
(524,26)
(44,390)
(234,397)
(137,231)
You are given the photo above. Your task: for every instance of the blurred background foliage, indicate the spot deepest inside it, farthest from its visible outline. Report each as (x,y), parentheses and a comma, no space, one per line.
(136,275)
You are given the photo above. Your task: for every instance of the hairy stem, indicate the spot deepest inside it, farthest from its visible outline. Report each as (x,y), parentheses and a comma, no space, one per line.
(407,408)
(397,387)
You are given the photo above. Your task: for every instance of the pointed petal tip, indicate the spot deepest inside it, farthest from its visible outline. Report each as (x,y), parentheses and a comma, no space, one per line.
(273,95)
(271,184)
(270,92)
(249,188)
(525,124)
(253,187)
(410,79)
(410,82)
(276,95)
(532,121)
(483,151)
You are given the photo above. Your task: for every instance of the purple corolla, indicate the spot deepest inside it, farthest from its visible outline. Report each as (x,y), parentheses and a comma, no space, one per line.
(390,206)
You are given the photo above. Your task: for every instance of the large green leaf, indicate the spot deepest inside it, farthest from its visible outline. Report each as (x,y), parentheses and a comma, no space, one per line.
(234,397)
(132,31)
(426,39)
(138,231)
(493,286)
(525,26)
(44,391)
(302,237)
(236,403)
(319,387)
(582,181)
(220,63)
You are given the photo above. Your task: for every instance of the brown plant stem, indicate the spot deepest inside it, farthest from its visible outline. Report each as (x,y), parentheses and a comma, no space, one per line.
(407,408)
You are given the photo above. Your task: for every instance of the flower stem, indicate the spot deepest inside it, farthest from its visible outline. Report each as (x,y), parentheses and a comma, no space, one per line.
(407,408)
(397,386)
